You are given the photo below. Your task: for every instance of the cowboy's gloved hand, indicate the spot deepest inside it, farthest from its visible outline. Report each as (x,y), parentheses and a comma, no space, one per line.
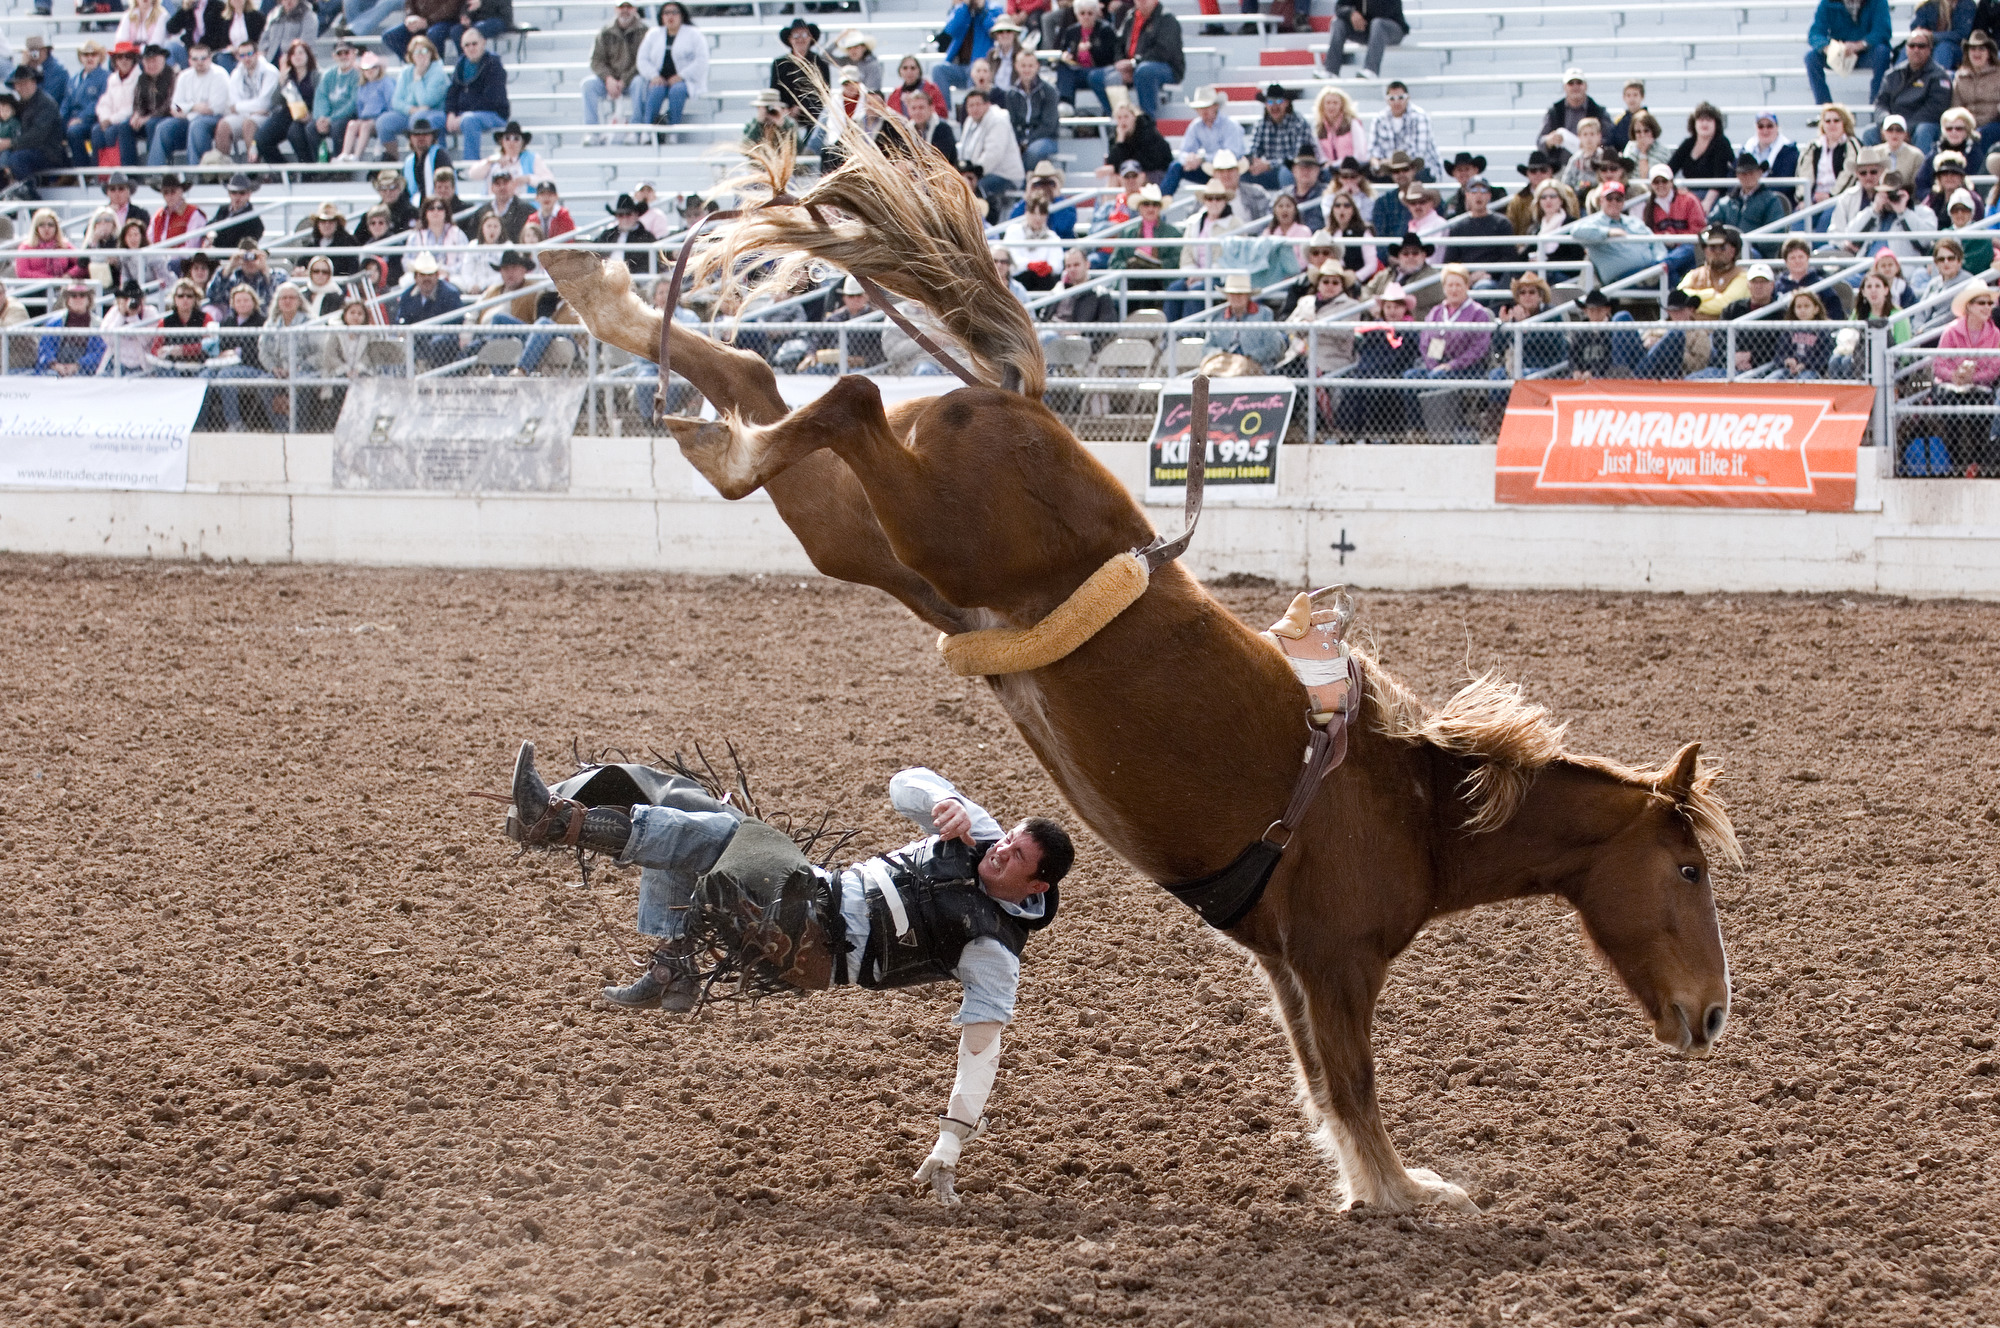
(941,1166)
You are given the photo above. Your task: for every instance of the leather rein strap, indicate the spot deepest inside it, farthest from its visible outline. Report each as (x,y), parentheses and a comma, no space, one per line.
(1163,550)
(876,296)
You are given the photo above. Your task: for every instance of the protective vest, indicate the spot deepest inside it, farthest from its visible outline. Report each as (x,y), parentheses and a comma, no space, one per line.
(944,909)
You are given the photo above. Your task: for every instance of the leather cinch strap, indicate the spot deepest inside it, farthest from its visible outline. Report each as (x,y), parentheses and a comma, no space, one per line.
(876,296)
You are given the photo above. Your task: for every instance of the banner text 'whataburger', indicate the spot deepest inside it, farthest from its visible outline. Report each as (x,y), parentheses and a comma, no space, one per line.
(1719,430)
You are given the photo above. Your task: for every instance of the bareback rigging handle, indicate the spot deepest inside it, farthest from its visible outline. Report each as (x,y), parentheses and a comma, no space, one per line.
(1163,550)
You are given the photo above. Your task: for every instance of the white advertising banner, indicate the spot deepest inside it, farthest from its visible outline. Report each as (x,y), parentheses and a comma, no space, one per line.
(97,433)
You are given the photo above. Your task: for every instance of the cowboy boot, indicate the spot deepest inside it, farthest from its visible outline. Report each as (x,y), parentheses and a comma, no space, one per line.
(669,983)
(542,820)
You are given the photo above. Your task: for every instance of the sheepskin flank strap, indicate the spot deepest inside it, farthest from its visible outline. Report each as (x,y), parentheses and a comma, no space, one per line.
(1109,592)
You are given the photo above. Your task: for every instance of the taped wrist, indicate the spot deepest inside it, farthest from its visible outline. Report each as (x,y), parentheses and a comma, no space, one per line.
(978,1066)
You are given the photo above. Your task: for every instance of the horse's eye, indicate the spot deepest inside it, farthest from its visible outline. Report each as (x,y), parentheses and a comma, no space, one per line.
(1692,875)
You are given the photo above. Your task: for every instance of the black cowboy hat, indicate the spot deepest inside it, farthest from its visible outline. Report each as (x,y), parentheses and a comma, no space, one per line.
(24,70)
(130,291)
(1352,165)
(170,181)
(1747,161)
(1279,92)
(1537,158)
(515,258)
(625,203)
(1411,238)
(1724,234)
(1478,164)
(423,123)
(785,34)
(513,128)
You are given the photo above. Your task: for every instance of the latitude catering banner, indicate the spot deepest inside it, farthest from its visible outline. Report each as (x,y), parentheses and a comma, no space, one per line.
(1682,444)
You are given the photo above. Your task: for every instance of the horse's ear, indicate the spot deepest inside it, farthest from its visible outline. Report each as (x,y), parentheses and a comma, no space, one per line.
(1678,782)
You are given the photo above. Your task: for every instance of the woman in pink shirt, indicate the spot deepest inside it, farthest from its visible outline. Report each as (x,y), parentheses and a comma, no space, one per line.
(1968,380)
(60,262)
(1337,128)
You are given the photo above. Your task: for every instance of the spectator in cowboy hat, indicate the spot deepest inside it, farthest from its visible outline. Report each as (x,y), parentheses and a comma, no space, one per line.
(1250,202)
(327,229)
(237,221)
(392,190)
(1465,166)
(1307,189)
(1521,208)
(117,188)
(1421,201)
(1350,177)
(1558,131)
(769,116)
(510,150)
(793,72)
(78,102)
(1947,176)
(1208,135)
(1378,23)
(1280,135)
(999,57)
(857,48)
(430,296)
(1390,216)
(1750,205)
(177,218)
(1045,182)
(1409,264)
(1976,87)
(1243,326)
(637,246)
(426,157)
(1719,280)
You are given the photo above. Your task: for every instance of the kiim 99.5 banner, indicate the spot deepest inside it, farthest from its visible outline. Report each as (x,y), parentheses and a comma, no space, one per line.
(1682,444)
(1247,418)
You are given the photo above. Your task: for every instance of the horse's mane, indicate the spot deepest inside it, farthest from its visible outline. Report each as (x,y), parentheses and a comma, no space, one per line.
(1509,739)
(909,222)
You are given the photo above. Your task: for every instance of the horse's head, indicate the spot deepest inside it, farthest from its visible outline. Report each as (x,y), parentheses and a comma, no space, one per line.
(1646,903)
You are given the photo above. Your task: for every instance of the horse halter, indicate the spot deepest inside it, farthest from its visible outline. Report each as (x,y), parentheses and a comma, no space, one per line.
(876,296)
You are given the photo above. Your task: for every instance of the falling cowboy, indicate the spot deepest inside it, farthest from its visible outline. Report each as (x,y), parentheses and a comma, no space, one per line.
(959,903)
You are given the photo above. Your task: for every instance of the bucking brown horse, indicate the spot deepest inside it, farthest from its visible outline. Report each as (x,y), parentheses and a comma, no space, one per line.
(1175,731)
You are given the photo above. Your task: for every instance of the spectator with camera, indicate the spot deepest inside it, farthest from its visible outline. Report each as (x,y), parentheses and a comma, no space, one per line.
(1894,214)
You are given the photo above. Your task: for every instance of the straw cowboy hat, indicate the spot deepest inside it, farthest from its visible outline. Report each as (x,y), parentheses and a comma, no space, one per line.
(1238,283)
(424,264)
(1966,295)
(1150,194)
(1226,160)
(851,287)
(1214,189)
(1205,97)
(767,97)
(852,38)
(329,211)
(1006,23)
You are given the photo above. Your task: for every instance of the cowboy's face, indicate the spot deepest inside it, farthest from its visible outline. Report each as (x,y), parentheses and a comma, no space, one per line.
(1409,258)
(799,40)
(427,282)
(1148,211)
(119,194)
(854,304)
(1007,872)
(1870,176)
(1306,172)
(91,59)
(154,64)
(1462,171)
(1239,302)
(1209,112)
(1404,176)
(1277,108)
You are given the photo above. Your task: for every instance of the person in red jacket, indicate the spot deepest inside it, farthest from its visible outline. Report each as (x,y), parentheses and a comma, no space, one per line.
(1671,210)
(177,218)
(549,211)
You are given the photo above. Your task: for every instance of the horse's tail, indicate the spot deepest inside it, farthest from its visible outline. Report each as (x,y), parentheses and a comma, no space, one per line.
(908,222)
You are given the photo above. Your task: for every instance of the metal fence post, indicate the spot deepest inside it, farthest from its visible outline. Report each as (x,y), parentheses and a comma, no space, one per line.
(1885,387)
(1312,382)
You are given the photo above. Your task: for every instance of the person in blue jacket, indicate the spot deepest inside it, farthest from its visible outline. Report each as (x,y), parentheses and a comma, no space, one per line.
(73,352)
(476,101)
(1862,26)
(967,36)
(79,103)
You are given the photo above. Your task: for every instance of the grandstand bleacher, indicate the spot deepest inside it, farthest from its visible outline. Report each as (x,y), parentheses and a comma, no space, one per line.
(1485,76)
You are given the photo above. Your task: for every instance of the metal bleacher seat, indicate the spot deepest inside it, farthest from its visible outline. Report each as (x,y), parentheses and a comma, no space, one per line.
(1067,352)
(1127,357)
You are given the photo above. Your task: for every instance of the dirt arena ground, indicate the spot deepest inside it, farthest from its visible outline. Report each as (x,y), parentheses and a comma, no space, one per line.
(288,1036)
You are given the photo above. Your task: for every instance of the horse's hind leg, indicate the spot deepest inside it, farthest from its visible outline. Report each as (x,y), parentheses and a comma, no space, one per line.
(1339,1008)
(1292,1017)
(819,499)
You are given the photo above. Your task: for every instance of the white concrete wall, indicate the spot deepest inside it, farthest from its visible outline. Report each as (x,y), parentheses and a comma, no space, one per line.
(1416,516)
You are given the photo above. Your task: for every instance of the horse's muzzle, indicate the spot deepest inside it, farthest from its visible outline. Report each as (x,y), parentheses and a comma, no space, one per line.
(1691,1037)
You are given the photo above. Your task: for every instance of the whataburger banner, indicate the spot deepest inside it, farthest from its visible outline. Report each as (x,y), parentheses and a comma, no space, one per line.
(1682,444)
(97,433)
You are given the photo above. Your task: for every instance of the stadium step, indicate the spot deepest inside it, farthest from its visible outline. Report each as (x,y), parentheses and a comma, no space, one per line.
(1298,56)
